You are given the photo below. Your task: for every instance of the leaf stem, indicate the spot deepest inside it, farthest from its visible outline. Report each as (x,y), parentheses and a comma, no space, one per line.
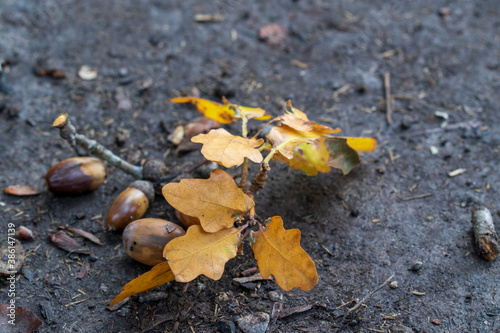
(69,133)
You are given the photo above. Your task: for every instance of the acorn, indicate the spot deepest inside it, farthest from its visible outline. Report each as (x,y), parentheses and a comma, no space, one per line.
(131,204)
(144,239)
(76,175)
(187,220)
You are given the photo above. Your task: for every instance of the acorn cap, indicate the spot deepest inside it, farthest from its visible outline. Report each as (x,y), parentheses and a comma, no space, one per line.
(146,187)
(154,170)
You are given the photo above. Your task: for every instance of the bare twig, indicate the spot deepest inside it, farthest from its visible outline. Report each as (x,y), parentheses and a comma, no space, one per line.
(260,180)
(487,240)
(244,175)
(420,196)
(69,133)
(388,98)
(369,295)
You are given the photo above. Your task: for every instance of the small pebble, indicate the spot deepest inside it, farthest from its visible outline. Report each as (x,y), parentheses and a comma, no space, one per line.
(380,170)
(254,323)
(436,322)
(226,326)
(274,296)
(394,284)
(123,72)
(273,34)
(417,265)
(93,257)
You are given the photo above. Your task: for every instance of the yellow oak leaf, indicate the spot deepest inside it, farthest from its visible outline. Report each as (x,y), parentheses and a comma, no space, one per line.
(278,252)
(214,201)
(158,275)
(247,112)
(199,252)
(228,150)
(286,140)
(311,158)
(362,144)
(222,113)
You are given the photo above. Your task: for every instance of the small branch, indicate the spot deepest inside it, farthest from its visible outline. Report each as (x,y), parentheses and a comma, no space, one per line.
(388,98)
(487,240)
(420,196)
(68,133)
(369,295)
(260,180)
(244,175)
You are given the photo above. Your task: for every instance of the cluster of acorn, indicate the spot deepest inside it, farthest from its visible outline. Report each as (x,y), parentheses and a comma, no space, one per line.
(142,239)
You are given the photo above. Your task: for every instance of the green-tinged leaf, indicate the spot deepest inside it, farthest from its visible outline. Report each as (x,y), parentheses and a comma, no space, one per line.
(342,156)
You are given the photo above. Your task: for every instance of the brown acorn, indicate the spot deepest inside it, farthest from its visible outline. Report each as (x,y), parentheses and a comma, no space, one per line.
(144,239)
(187,220)
(76,175)
(131,204)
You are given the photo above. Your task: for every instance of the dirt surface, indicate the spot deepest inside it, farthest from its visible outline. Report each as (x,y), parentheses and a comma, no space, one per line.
(359,229)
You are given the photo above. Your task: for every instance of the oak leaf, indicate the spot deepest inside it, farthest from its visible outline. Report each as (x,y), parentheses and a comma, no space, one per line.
(214,201)
(216,111)
(158,275)
(295,129)
(278,252)
(344,151)
(228,150)
(247,112)
(199,252)
(223,113)
(311,158)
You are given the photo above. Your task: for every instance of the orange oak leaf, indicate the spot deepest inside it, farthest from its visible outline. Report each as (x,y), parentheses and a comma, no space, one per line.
(216,111)
(199,252)
(299,121)
(228,150)
(214,201)
(158,275)
(278,252)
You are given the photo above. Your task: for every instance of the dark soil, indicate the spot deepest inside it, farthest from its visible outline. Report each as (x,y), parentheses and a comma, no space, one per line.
(357,228)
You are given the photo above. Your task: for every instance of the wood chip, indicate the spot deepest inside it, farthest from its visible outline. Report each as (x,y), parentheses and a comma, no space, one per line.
(456,172)
(208,17)
(86,234)
(87,73)
(21,190)
(487,240)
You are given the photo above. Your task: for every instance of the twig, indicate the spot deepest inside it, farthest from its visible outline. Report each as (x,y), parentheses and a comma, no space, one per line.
(420,196)
(369,295)
(487,240)
(450,127)
(69,133)
(388,98)
(260,180)
(244,175)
